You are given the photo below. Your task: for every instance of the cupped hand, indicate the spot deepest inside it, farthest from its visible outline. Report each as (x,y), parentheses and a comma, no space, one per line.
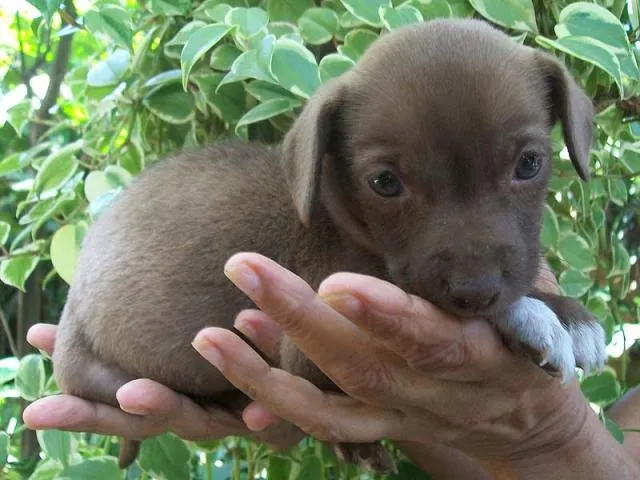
(149,408)
(411,373)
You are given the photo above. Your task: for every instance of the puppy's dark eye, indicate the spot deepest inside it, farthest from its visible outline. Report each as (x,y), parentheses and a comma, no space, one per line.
(528,166)
(386,184)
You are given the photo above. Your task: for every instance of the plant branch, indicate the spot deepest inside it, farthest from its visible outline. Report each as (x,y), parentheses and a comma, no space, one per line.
(5,325)
(56,76)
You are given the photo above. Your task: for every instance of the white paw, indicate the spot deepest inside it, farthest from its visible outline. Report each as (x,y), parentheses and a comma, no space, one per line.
(588,345)
(531,323)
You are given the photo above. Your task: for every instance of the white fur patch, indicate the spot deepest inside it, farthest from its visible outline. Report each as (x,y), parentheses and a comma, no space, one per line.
(530,322)
(588,345)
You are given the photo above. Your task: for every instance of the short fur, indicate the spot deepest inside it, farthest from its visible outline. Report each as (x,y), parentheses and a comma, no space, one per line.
(448,106)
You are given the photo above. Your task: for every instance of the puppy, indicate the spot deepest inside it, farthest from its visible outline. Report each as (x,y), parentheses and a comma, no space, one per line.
(426,165)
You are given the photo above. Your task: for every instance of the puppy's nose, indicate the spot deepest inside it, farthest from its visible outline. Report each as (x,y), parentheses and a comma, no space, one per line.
(474,295)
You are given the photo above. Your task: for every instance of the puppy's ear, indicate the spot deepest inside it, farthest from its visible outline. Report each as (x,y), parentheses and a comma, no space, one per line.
(571,105)
(307,143)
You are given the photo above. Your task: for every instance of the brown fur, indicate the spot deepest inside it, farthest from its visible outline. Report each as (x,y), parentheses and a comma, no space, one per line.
(446,105)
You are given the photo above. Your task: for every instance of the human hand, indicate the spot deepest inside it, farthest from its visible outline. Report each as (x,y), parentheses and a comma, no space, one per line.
(149,408)
(410,372)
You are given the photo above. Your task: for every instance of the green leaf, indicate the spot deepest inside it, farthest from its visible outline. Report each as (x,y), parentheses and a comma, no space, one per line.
(614,430)
(113,22)
(10,164)
(408,471)
(223,56)
(228,102)
(515,14)
(397,17)
(199,43)
(103,468)
(165,456)
(601,388)
(575,252)
(109,71)
(266,110)
(590,50)
(102,202)
(164,78)
(550,228)
(16,270)
(57,169)
(57,444)
(621,263)
(47,469)
(5,229)
(295,68)
(65,248)
(278,468)
(617,191)
(170,7)
(311,468)
(366,10)
(318,25)
(588,19)
(334,65)
(4,449)
(246,66)
(19,115)
(173,48)
(30,378)
(356,43)
(574,284)
(265,91)
(8,369)
(132,158)
(432,9)
(630,157)
(287,10)
(46,7)
(249,21)
(170,103)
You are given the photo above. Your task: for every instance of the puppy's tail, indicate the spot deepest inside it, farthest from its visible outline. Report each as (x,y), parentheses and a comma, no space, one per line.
(128,452)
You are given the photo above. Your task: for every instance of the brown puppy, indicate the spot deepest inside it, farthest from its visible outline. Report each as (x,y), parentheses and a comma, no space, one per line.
(427,165)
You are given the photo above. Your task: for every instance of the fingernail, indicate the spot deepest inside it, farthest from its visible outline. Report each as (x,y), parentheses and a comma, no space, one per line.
(245,278)
(345,304)
(209,352)
(245,328)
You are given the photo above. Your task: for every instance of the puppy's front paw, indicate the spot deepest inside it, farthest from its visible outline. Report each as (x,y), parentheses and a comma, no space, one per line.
(531,326)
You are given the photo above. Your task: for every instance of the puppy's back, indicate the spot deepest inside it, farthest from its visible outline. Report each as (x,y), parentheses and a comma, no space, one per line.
(150,272)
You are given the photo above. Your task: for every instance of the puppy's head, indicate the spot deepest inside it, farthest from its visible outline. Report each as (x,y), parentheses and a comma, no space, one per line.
(434,152)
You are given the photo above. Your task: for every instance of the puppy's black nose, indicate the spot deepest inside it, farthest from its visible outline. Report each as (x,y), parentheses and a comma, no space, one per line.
(474,295)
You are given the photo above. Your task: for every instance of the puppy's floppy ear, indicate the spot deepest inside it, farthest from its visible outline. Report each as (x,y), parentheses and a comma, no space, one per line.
(307,143)
(573,107)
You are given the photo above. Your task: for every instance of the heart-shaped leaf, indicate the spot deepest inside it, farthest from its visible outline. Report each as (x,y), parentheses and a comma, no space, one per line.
(16,270)
(515,14)
(574,283)
(199,43)
(318,25)
(65,248)
(575,252)
(334,65)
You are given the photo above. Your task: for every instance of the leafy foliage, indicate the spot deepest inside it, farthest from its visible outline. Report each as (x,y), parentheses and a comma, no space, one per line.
(91,97)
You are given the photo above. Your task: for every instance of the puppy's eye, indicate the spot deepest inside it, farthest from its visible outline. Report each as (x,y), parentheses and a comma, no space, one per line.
(528,166)
(386,184)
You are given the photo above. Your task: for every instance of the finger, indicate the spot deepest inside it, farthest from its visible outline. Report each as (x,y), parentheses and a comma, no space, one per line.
(325,416)
(65,412)
(319,331)
(257,418)
(42,336)
(429,339)
(162,406)
(258,327)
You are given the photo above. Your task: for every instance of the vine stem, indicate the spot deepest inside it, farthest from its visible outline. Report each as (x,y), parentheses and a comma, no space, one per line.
(5,326)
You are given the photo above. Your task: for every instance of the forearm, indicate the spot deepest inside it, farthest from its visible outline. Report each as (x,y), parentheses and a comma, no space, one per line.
(626,414)
(590,453)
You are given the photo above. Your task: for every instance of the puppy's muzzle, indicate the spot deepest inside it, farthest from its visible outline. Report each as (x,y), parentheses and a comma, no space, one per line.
(473,295)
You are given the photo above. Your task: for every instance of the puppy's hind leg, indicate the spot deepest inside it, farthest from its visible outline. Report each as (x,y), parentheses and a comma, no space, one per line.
(80,373)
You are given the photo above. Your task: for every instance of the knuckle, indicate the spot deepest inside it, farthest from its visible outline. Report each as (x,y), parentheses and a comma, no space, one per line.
(290,314)
(369,380)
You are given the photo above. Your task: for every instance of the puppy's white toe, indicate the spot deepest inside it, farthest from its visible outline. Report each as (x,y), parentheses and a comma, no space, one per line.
(531,323)
(588,345)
